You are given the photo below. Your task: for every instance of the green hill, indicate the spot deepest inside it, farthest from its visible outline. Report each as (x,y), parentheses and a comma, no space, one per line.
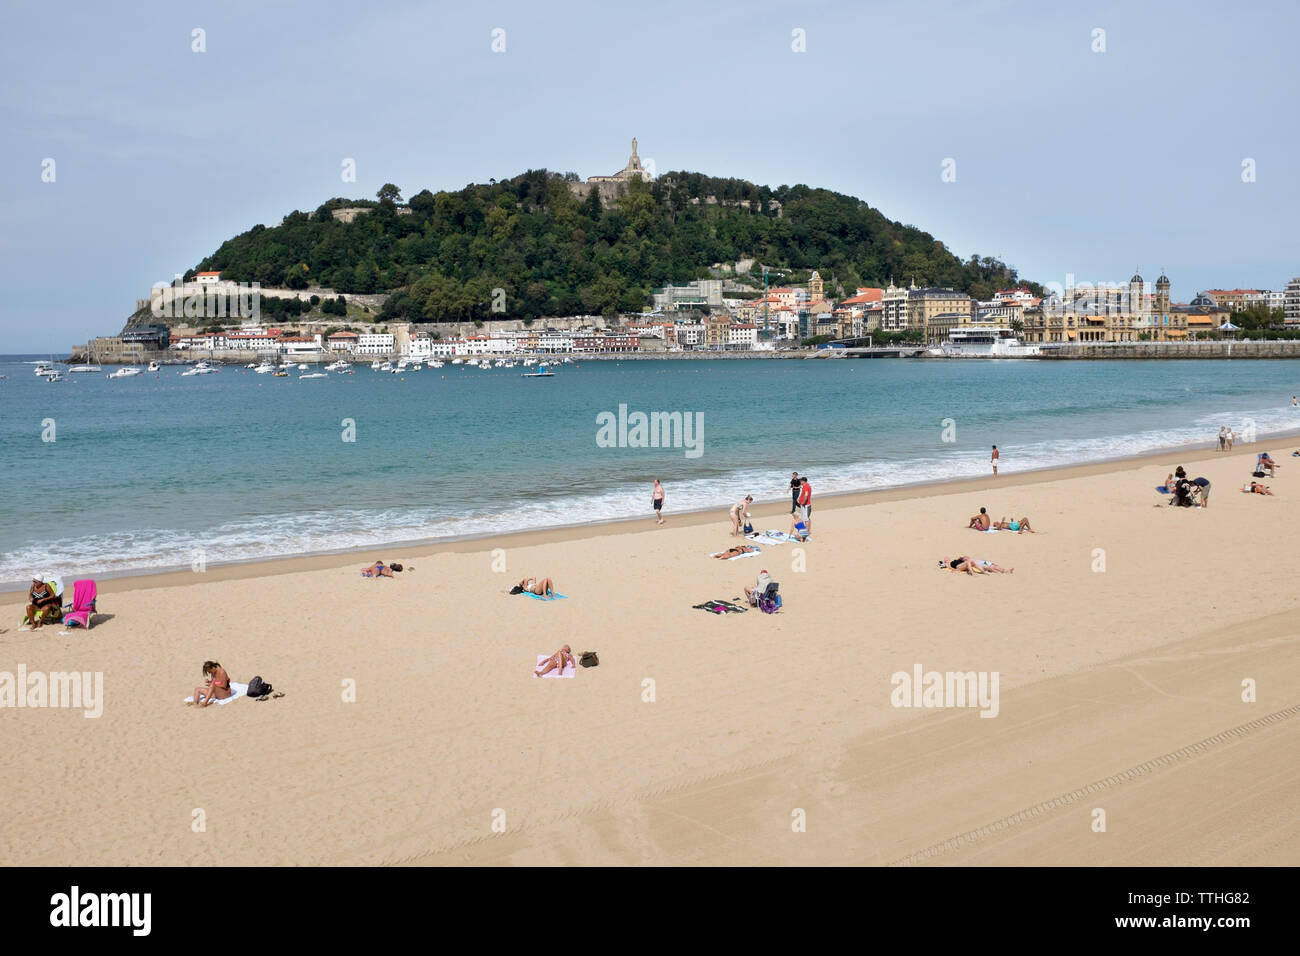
(555,253)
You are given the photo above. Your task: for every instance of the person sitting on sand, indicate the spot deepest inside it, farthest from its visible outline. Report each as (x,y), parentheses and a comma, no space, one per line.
(542,587)
(1266,464)
(798,530)
(45,606)
(735,552)
(1019,527)
(1258,489)
(739,511)
(982,521)
(377,570)
(557,661)
(216,687)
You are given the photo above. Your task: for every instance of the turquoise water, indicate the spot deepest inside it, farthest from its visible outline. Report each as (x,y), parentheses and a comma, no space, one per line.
(145,472)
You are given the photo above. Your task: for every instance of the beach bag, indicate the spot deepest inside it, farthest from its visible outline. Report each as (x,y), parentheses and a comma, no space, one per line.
(1258,474)
(258,687)
(749,528)
(589,659)
(767,604)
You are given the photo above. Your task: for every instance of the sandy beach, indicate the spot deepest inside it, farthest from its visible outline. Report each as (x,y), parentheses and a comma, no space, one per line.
(1121,642)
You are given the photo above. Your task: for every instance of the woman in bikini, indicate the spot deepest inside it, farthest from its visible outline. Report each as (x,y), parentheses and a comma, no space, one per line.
(377,570)
(1258,489)
(542,587)
(557,661)
(735,552)
(738,515)
(216,687)
(970,565)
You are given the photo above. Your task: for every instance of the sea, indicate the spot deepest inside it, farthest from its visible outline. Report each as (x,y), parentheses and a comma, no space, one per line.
(117,476)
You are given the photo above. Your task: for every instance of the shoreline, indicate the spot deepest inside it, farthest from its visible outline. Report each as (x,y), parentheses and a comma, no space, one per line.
(416,549)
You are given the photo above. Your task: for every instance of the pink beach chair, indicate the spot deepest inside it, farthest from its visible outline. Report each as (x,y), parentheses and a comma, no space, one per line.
(83,604)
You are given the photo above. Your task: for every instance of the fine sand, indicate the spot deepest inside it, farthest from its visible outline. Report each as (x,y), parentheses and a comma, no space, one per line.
(1122,642)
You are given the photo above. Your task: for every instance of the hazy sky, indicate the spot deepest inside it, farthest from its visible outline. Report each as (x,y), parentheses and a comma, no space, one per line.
(1067,160)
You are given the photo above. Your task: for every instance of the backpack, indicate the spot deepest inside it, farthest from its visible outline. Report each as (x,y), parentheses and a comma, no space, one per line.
(258,687)
(588,659)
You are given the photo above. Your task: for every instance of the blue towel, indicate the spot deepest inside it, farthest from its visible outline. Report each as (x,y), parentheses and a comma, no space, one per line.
(555,596)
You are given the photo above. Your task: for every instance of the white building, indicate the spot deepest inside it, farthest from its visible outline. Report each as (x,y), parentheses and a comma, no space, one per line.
(207,278)
(300,345)
(742,336)
(553,341)
(1291,307)
(375,343)
(247,341)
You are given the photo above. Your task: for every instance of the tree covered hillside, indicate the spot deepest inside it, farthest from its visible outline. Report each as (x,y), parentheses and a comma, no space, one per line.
(555,253)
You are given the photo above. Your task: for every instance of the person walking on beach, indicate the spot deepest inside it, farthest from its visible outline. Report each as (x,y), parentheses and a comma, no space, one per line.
(794,491)
(657,499)
(738,514)
(994,460)
(1229,439)
(1223,438)
(805,502)
(1293,401)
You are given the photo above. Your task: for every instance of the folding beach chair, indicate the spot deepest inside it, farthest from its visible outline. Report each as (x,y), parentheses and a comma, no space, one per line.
(83,604)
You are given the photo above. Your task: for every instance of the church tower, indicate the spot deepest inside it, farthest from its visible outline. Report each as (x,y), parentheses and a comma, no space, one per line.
(815,287)
(1136,295)
(1162,294)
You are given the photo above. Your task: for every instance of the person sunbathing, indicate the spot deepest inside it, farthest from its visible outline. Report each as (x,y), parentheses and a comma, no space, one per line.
(559,660)
(981,521)
(45,608)
(1258,489)
(735,552)
(969,565)
(216,687)
(542,587)
(377,570)
(1019,527)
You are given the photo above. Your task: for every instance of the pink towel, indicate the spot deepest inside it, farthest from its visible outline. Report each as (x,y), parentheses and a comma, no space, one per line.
(569,669)
(83,604)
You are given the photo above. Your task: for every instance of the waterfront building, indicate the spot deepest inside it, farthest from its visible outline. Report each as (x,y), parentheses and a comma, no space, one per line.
(1291,303)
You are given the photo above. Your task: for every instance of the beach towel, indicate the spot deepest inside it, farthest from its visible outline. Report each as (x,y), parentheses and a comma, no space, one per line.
(236,691)
(765,538)
(569,669)
(1162,489)
(83,604)
(720,607)
(736,557)
(555,596)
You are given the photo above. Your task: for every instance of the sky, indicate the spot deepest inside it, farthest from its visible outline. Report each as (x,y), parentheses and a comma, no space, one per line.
(1075,152)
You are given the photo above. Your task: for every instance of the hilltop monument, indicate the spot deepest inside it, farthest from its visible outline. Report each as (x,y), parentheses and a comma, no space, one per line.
(611,187)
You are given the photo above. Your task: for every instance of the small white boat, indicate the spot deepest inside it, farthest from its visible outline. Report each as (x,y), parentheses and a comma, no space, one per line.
(374,366)
(313,375)
(264,368)
(455,362)
(302,367)
(154,366)
(127,372)
(538,375)
(339,366)
(45,368)
(56,377)
(84,368)
(435,365)
(251,365)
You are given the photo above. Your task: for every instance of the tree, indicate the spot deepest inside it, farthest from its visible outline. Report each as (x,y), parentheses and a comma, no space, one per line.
(388,193)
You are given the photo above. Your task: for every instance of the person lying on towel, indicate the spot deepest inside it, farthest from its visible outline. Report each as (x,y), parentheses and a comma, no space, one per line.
(557,661)
(377,570)
(542,587)
(45,608)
